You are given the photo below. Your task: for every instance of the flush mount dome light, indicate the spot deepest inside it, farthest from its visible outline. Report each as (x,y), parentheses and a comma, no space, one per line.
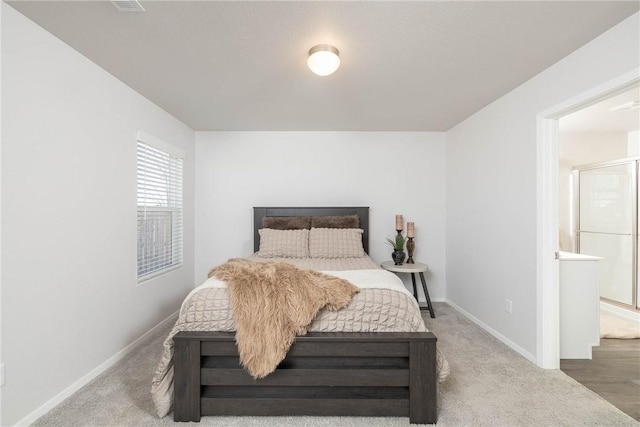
(323,59)
(633,105)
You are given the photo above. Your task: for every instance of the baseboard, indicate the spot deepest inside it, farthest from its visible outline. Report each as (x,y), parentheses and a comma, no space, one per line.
(630,315)
(513,346)
(56,400)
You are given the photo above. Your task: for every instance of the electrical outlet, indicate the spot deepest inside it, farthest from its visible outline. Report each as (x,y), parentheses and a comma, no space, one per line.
(508,306)
(1,374)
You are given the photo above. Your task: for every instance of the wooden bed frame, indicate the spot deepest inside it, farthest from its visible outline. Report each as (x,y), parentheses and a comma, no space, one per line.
(330,374)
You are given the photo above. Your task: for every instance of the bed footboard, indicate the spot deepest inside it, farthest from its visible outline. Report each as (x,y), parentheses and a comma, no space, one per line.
(330,374)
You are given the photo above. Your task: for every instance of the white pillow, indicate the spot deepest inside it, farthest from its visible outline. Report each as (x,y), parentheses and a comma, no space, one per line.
(336,243)
(283,243)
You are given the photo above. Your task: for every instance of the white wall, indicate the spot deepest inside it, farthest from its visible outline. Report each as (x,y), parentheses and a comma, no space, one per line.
(633,143)
(492,188)
(581,148)
(70,299)
(1,358)
(391,172)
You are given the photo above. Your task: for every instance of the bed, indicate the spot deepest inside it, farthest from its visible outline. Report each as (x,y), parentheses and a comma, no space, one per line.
(326,372)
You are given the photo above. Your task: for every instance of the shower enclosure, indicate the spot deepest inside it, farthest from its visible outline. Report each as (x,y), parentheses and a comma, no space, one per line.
(605,211)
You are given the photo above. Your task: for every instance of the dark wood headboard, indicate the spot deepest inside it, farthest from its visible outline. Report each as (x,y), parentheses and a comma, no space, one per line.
(361,211)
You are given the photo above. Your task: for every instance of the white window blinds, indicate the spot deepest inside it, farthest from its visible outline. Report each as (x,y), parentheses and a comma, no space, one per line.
(159,207)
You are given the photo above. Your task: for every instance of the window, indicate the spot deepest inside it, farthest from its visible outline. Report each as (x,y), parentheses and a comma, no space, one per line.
(159,207)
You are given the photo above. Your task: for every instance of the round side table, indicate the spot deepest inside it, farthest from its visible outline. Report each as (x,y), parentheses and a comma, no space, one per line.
(419,268)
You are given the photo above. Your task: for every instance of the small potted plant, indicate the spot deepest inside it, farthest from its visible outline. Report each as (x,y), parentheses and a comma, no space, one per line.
(397,244)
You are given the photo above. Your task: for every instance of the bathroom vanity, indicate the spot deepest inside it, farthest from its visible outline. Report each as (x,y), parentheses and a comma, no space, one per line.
(579,305)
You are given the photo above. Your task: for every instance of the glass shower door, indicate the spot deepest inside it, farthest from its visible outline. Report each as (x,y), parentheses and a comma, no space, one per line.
(607,229)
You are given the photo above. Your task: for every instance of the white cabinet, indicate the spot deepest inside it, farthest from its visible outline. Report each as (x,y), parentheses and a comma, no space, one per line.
(579,305)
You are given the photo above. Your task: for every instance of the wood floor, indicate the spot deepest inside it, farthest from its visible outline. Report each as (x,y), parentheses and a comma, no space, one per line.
(613,373)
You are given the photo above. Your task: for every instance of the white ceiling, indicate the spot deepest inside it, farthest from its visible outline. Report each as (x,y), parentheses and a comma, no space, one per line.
(600,118)
(406,66)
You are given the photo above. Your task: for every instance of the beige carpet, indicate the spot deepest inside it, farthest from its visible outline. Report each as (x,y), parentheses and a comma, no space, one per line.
(612,326)
(489,385)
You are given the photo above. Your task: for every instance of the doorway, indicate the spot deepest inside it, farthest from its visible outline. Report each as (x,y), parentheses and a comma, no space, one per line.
(547,295)
(598,215)
(598,191)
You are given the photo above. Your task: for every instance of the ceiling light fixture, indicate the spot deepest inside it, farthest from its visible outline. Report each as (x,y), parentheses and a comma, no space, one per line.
(323,59)
(634,105)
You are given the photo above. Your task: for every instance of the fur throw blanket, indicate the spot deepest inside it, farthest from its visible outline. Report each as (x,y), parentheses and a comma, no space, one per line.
(272,303)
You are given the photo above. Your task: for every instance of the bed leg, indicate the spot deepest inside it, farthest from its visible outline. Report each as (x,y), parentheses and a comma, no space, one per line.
(186,386)
(423,403)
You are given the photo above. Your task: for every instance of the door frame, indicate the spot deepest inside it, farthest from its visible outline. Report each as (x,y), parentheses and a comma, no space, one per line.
(547,290)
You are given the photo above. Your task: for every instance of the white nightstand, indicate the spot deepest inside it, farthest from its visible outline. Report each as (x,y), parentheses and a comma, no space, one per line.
(419,268)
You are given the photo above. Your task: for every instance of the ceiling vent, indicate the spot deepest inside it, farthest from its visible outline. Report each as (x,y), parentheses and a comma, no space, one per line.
(127,5)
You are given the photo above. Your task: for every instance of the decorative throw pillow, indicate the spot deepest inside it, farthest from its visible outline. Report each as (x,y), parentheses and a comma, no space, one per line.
(286,222)
(336,243)
(330,221)
(283,243)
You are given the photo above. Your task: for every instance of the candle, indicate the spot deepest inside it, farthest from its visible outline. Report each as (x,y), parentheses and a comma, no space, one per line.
(399,222)
(410,229)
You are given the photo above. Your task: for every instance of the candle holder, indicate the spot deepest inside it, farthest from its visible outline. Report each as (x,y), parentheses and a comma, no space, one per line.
(411,246)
